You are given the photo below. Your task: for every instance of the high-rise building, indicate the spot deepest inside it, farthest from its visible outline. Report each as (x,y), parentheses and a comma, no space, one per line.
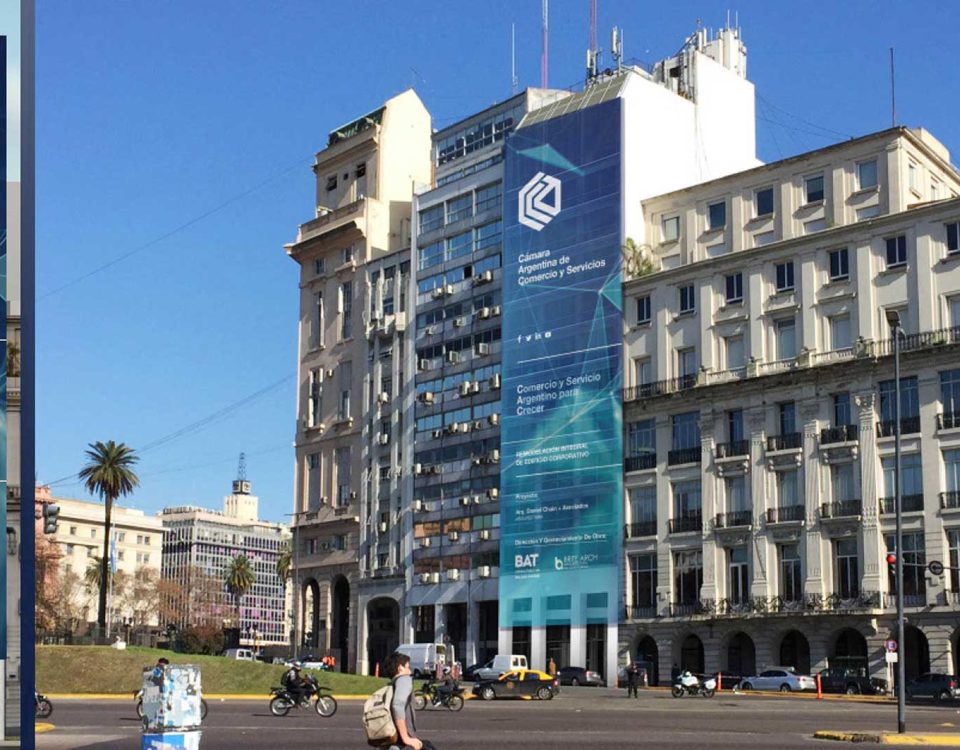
(199,546)
(354,272)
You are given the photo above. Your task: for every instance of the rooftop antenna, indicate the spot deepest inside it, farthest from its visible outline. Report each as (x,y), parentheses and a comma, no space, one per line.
(616,48)
(592,52)
(545,56)
(240,485)
(242,468)
(514,81)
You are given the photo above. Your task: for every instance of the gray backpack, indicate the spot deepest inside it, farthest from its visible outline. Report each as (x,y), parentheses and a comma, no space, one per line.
(378,719)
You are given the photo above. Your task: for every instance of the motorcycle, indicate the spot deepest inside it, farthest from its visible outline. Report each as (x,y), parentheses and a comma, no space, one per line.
(689,684)
(323,702)
(138,697)
(43,705)
(448,695)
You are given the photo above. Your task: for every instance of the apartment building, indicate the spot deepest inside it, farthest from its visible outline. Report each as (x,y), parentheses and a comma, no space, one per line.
(354,274)
(759,410)
(198,547)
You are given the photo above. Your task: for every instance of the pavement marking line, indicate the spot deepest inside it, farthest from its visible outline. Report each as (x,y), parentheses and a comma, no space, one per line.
(43,726)
(884,738)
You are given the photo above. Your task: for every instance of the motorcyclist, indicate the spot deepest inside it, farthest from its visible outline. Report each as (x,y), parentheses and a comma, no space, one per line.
(295,684)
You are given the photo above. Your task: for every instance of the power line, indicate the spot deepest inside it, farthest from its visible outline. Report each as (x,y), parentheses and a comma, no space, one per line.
(805,122)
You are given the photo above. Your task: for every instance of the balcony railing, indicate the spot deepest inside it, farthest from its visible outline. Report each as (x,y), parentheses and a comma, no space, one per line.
(641,528)
(684,456)
(948,420)
(685,609)
(641,462)
(841,509)
(909,504)
(786,514)
(733,518)
(846,433)
(908,426)
(733,448)
(643,612)
(784,442)
(950,500)
(915,341)
(659,388)
(688,522)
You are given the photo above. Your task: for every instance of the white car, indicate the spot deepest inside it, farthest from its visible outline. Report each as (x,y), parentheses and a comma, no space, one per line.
(784,679)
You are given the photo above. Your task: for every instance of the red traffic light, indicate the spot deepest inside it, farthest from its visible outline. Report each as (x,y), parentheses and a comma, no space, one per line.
(892,559)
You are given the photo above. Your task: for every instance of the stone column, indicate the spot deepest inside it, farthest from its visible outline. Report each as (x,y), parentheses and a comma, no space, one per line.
(759,480)
(874,547)
(816,553)
(664,513)
(713,568)
(473,630)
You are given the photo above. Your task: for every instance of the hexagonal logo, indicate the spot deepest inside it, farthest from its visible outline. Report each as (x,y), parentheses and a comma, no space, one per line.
(539,201)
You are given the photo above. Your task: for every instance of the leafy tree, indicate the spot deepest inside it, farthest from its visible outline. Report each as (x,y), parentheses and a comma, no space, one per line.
(239,578)
(109,473)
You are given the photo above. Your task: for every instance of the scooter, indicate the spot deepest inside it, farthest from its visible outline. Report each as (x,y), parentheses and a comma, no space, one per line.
(43,705)
(689,684)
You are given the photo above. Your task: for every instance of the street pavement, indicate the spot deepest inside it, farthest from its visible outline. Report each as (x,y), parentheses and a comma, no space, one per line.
(578,718)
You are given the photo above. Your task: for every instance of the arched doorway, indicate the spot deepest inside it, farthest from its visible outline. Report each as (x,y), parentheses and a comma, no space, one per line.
(383,628)
(691,654)
(795,652)
(850,644)
(310,614)
(915,652)
(340,627)
(741,655)
(647,652)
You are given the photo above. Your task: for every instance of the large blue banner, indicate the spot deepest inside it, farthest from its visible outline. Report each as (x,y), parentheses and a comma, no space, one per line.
(561,481)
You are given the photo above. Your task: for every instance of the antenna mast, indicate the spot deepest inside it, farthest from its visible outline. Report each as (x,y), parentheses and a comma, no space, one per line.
(544,58)
(514,82)
(242,468)
(592,53)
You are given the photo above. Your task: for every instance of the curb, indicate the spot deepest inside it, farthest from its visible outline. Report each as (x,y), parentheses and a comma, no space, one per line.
(128,696)
(43,726)
(937,740)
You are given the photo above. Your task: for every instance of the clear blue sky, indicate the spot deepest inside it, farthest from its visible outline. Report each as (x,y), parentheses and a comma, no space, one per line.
(152,116)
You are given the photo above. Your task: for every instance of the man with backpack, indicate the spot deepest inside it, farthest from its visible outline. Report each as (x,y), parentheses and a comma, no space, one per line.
(388,716)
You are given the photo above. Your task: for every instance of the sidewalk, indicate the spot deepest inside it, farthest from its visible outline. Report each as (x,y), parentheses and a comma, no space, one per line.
(128,696)
(886,738)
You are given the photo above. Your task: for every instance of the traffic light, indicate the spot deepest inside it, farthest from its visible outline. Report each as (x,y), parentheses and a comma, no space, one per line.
(50,514)
(892,561)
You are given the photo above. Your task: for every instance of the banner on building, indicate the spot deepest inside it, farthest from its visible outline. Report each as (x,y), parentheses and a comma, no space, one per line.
(561,480)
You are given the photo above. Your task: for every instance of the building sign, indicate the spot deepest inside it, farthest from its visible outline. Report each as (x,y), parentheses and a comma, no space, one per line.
(561,480)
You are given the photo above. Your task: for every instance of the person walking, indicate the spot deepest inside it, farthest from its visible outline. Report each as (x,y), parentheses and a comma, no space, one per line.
(397,667)
(552,667)
(633,680)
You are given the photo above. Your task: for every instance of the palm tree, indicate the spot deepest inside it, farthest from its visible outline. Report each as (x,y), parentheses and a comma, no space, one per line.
(93,574)
(284,563)
(109,474)
(239,578)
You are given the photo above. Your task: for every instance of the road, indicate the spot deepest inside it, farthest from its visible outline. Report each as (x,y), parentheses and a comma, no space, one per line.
(579,717)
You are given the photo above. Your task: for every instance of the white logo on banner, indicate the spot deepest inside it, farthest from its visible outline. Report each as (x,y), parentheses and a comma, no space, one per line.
(534,210)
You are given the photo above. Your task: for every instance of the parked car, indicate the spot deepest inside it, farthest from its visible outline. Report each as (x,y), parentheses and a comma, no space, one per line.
(500,664)
(518,683)
(940,687)
(784,679)
(851,682)
(241,654)
(471,673)
(579,676)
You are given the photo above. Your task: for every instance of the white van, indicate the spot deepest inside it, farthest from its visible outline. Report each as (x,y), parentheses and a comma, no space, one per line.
(501,663)
(242,654)
(425,656)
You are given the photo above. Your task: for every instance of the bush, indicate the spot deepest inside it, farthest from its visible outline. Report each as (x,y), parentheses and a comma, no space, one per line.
(201,639)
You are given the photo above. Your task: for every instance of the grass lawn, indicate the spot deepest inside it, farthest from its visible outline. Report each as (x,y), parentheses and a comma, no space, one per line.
(101,669)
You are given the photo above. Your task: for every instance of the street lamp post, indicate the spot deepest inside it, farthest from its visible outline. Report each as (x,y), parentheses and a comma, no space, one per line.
(893,318)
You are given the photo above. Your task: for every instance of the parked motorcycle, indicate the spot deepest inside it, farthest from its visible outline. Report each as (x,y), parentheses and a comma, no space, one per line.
(138,697)
(689,684)
(43,705)
(433,693)
(323,702)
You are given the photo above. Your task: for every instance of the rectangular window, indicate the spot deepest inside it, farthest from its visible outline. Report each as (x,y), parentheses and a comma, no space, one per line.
(813,188)
(909,399)
(914,560)
(489,197)
(733,351)
(459,245)
(842,414)
(670,228)
(319,267)
(735,493)
(739,575)
(346,255)
(763,202)
(430,255)
(313,461)
(346,310)
(687,365)
(787,417)
(642,371)
(488,235)
(641,437)
(643,575)
(867,174)
(791,578)
(315,403)
(643,309)
(913,176)
(911,475)
(840,336)
(734,288)
(342,463)
(953,312)
(686,430)
(331,183)
(786,339)
(717,215)
(431,218)
(785,276)
(953,238)
(896,251)
(839,264)
(950,391)
(688,576)
(318,320)
(459,208)
(953,542)
(848,568)
(760,239)
(345,372)
(643,506)
(788,488)
(688,301)
(951,470)
(735,425)
(842,484)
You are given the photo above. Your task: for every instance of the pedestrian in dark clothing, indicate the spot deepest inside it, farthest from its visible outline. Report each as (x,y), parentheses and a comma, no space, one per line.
(675,674)
(633,680)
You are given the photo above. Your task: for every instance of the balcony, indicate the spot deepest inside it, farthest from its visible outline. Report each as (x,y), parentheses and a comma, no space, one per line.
(684,456)
(643,612)
(909,504)
(641,528)
(686,609)
(736,518)
(916,341)
(950,500)
(789,441)
(908,426)
(349,215)
(659,388)
(733,448)
(641,462)
(687,522)
(841,509)
(787,514)
(949,420)
(847,433)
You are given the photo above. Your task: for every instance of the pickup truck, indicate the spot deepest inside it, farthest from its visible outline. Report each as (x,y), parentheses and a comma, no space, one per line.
(851,682)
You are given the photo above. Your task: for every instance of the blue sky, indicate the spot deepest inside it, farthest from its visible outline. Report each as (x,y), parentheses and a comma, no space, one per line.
(173,147)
